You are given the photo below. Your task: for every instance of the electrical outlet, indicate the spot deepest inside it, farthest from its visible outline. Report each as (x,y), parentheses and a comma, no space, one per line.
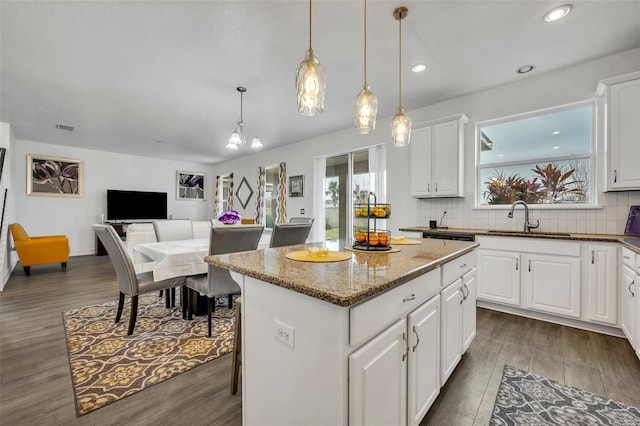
(285,333)
(301,211)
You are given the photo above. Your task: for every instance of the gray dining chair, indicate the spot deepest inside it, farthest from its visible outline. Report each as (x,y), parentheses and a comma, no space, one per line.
(217,281)
(287,234)
(129,283)
(173,230)
(301,220)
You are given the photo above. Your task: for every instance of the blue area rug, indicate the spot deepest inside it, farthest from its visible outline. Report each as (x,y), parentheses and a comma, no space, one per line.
(527,399)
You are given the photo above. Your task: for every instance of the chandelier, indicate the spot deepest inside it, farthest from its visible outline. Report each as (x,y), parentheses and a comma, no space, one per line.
(237,137)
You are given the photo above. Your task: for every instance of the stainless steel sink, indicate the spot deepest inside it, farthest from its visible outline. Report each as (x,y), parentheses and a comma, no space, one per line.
(531,233)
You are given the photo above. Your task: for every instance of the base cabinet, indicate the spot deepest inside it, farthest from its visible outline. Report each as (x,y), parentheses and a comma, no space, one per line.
(451,329)
(602,283)
(552,284)
(499,276)
(628,295)
(469,282)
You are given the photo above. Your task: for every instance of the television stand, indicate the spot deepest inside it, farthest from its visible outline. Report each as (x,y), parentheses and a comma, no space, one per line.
(122,232)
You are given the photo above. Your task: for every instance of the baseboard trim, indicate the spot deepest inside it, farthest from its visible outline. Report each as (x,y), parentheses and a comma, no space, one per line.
(583,325)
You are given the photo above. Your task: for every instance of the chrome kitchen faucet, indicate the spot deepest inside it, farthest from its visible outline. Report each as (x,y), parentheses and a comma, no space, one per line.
(527,226)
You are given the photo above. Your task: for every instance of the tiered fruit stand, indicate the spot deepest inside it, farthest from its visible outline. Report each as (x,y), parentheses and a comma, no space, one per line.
(370,237)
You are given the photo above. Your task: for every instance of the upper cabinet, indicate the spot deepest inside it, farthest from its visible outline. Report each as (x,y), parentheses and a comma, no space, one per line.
(621,97)
(437,158)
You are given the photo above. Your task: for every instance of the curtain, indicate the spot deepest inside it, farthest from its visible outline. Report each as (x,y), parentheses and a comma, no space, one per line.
(281,195)
(319,224)
(260,194)
(378,172)
(217,199)
(230,193)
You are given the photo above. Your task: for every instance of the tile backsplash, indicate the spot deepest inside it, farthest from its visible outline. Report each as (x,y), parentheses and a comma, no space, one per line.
(609,218)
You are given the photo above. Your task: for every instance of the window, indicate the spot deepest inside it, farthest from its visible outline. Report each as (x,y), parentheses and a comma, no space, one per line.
(541,158)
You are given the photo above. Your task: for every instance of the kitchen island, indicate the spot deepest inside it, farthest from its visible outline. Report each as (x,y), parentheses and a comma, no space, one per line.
(363,341)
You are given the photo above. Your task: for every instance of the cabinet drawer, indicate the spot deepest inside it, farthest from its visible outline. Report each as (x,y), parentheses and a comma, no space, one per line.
(372,316)
(458,267)
(629,258)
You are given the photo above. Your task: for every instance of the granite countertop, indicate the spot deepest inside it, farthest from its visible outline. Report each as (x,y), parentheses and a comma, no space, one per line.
(623,239)
(347,282)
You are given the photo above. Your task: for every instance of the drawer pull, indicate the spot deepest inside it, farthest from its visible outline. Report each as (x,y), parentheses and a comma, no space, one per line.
(626,257)
(417,339)
(409,298)
(464,265)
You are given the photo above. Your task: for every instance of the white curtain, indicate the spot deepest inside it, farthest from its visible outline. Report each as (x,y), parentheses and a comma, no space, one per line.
(319,170)
(378,171)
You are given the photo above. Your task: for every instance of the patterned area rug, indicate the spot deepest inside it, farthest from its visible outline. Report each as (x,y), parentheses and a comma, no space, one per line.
(527,399)
(107,365)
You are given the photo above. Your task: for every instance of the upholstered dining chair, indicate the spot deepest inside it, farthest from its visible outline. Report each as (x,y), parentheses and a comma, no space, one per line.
(287,234)
(301,220)
(173,229)
(39,250)
(129,283)
(217,281)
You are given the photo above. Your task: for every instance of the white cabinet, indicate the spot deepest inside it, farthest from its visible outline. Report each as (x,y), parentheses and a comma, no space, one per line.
(436,158)
(499,276)
(394,378)
(450,329)
(469,283)
(552,284)
(458,312)
(622,99)
(628,295)
(424,360)
(601,282)
(378,379)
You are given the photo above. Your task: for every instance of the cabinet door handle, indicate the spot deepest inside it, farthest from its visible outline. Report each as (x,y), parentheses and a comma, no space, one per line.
(436,186)
(417,339)
(464,286)
(615,175)
(428,187)
(462,291)
(630,285)
(516,264)
(529,265)
(593,259)
(408,298)
(406,344)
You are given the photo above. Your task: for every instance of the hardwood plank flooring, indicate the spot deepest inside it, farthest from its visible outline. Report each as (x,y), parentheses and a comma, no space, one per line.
(35,382)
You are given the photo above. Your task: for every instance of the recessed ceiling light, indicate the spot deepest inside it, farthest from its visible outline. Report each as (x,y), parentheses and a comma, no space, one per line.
(556,147)
(525,69)
(558,12)
(556,132)
(419,67)
(501,155)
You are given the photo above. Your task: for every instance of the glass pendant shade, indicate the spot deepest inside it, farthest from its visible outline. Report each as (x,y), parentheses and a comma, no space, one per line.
(311,84)
(232,145)
(365,111)
(401,129)
(235,138)
(255,143)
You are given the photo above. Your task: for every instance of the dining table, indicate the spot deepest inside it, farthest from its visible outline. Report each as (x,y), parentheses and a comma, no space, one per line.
(182,257)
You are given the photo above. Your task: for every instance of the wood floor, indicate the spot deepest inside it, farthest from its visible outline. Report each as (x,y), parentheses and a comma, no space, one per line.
(35,383)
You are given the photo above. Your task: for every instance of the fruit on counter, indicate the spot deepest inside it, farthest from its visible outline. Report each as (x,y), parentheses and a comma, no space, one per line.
(361,237)
(373,239)
(382,238)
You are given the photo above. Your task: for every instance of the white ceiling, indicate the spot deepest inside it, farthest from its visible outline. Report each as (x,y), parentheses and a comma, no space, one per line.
(129,74)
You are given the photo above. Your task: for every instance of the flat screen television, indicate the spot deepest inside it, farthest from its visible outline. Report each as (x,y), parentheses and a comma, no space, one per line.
(136,205)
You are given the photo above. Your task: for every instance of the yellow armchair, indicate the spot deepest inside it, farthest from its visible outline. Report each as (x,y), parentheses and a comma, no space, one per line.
(39,250)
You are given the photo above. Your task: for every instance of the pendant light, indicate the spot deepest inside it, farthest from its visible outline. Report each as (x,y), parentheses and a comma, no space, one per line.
(237,137)
(366,103)
(401,124)
(311,81)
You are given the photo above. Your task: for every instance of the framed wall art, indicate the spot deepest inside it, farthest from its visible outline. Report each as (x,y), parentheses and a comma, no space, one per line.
(296,186)
(54,176)
(190,186)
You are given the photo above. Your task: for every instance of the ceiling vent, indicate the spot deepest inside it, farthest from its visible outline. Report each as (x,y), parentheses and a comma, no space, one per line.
(64,127)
